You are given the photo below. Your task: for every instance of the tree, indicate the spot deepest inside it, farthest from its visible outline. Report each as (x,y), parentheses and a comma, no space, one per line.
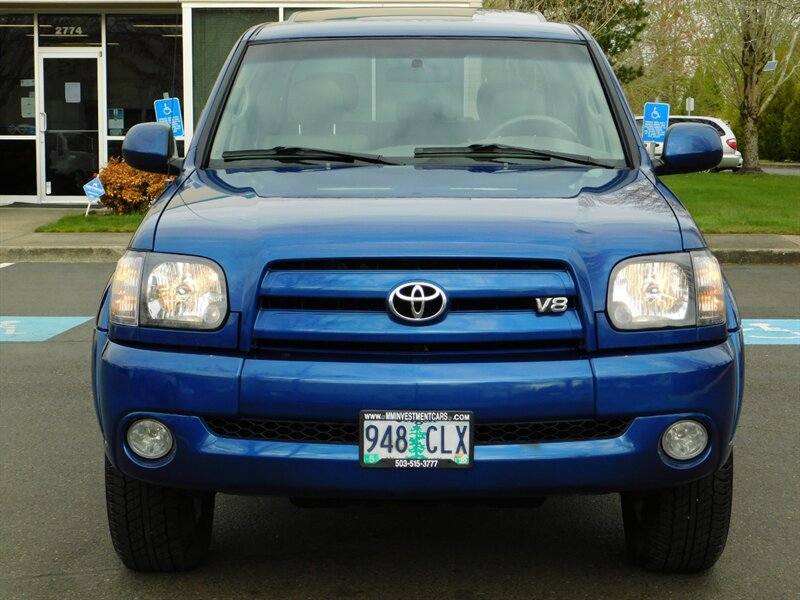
(666,55)
(790,132)
(616,24)
(704,88)
(773,120)
(416,442)
(742,36)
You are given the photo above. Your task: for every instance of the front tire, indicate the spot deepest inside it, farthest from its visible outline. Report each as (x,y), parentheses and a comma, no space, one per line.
(682,529)
(155,528)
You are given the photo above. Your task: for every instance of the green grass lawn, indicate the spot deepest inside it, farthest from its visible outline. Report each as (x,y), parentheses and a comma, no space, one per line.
(719,202)
(732,203)
(94,223)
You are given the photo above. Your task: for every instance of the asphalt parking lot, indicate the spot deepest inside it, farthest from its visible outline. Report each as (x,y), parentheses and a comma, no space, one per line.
(55,542)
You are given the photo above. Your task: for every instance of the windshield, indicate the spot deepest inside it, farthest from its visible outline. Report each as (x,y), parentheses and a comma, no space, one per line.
(415,100)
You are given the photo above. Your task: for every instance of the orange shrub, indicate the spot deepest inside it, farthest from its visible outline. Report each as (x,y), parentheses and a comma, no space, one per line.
(129,190)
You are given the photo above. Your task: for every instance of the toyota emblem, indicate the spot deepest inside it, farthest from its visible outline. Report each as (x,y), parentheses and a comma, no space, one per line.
(417,302)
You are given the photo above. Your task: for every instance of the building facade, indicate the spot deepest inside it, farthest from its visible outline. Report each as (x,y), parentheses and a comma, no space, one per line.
(76,75)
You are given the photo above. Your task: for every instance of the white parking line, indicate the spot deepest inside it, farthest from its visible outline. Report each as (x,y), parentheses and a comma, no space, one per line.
(4,265)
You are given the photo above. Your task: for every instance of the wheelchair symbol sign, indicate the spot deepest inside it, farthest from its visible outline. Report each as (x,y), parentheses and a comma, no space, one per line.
(656,121)
(168,111)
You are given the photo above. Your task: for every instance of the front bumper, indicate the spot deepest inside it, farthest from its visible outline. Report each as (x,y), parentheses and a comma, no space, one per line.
(655,389)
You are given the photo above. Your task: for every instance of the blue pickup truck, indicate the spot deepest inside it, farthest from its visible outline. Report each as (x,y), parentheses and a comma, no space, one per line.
(418,254)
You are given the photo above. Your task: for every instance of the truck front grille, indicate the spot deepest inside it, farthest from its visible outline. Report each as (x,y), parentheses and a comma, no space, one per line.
(338,309)
(485,433)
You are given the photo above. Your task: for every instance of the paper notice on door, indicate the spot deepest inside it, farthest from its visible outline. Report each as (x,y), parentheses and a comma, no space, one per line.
(116,121)
(28,108)
(72,92)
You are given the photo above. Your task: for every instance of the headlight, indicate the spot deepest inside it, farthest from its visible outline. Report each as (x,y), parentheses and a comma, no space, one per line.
(668,290)
(168,290)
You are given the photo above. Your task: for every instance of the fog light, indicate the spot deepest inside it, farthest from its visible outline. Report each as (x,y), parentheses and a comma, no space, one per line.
(684,440)
(149,439)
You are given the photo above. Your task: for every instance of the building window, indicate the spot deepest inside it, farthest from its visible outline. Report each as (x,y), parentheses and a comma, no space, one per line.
(214,32)
(144,62)
(18,167)
(69,30)
(17,101)
(17,106)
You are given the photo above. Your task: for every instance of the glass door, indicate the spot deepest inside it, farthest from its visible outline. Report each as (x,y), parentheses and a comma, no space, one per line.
(71,136)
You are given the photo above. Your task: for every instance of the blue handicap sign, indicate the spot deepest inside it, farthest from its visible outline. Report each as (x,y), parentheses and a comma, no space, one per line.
(655,122)
(94,189)
(168,111)
(771,332)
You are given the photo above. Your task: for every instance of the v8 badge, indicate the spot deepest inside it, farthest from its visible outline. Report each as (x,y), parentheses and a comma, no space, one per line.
(556,304)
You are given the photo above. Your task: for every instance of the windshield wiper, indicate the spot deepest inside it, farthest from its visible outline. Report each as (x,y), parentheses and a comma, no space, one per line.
(496,151)
(303,153)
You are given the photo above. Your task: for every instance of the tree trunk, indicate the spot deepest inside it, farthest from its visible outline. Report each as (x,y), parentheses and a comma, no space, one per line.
(750,143)
(752,64)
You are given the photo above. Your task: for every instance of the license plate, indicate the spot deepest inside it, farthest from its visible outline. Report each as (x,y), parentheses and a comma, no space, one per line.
(409,439)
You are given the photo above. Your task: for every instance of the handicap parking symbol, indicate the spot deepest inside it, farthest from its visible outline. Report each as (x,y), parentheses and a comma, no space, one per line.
(655,122)
(168,111)
(771,332)
(36,329)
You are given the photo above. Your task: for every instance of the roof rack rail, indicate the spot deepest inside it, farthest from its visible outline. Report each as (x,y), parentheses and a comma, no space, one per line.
(477,14)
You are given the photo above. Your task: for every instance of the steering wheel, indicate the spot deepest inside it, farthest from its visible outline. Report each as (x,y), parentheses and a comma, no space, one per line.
(564,130)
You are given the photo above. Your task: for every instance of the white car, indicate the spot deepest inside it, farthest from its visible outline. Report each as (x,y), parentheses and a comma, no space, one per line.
(731,157)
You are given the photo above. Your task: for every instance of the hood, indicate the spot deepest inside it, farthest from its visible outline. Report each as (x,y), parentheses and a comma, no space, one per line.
(589,219)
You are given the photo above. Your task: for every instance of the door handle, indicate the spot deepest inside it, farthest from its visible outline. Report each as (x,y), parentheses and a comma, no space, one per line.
(44,121)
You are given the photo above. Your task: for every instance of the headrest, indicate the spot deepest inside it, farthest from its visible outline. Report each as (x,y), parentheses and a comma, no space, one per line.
(347,82)
(322,97)
(420,110)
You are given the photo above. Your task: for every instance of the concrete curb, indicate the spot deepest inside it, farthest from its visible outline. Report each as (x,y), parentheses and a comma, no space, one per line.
(780,165)
(64,254)
(110,254)
(753,256)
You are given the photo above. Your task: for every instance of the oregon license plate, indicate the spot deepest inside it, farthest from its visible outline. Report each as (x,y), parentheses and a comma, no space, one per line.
(410,439)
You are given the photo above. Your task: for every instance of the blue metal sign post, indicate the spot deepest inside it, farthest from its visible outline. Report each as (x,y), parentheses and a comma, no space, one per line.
(168,111)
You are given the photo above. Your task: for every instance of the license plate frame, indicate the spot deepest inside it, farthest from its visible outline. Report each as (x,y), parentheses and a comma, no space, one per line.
(440,430)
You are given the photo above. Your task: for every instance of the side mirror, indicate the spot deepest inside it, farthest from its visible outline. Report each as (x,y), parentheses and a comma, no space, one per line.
(151,147)
(689,147)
